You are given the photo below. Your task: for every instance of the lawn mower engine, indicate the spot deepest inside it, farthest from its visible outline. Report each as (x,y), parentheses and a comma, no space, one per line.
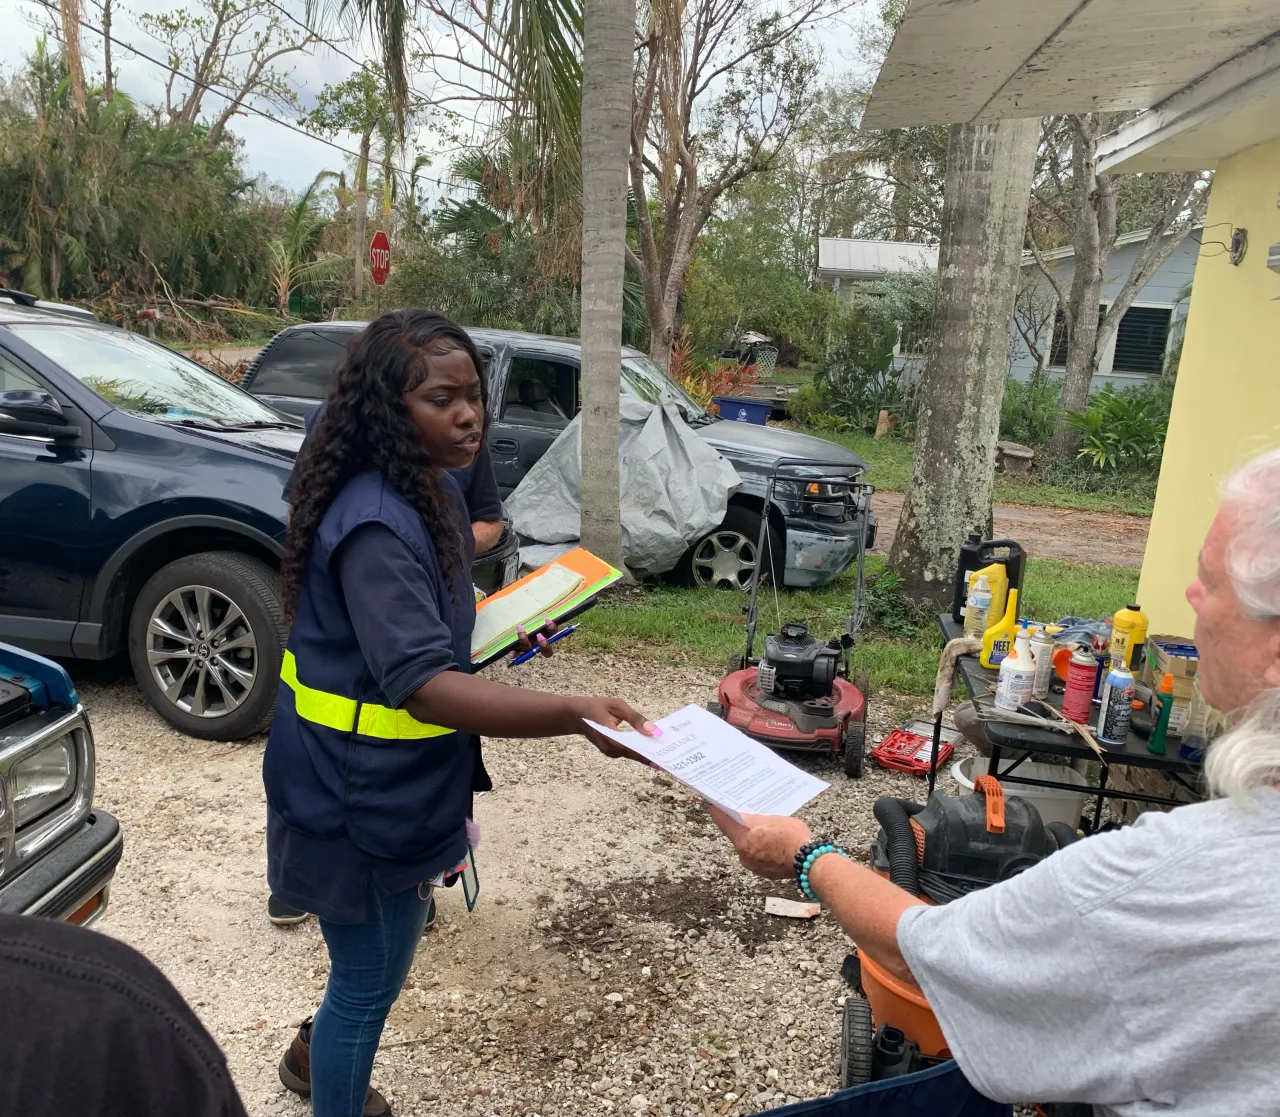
(795,697)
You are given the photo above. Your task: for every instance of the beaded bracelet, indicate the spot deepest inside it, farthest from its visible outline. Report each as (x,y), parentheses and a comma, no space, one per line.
(806,855)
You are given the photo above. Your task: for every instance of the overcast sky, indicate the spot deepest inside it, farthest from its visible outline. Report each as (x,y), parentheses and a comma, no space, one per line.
(283,156)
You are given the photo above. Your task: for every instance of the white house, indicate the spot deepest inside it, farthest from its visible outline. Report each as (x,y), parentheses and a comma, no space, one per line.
(1149,328)
(1136,353)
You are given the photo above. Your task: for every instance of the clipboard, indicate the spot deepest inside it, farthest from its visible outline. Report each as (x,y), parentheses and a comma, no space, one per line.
(597,576)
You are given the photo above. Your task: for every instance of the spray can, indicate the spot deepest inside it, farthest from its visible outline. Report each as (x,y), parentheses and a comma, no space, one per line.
(1117,705)
(1017,674)
(1042,653)
(977,607)
(1077,700)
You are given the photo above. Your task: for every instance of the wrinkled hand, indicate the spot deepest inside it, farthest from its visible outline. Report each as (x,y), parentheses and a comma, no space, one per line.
(612,712)
(539,640)
(767,844)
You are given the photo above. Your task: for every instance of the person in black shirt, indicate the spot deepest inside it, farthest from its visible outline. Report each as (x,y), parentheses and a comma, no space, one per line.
(92,1029)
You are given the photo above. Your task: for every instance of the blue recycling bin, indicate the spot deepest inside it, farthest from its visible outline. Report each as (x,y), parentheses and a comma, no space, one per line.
(744,409)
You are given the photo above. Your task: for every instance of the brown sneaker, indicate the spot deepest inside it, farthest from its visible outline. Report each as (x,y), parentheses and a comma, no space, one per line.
(295,1073)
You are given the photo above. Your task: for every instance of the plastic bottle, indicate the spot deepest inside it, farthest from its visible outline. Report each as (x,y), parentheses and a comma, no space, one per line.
(998,639)
(1128,630)
(1160,731)
(977,606)
(1042,652)
(997,576)
(1017,674)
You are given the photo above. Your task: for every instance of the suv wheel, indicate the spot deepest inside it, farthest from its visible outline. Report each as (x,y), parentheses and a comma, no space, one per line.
(725,558)
(206,637)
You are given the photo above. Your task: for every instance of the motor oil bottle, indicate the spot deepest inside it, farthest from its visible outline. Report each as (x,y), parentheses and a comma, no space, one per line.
(1160,731)
(1128,632)
(977,607)
(998,639)
(1116,710)
(1017,674)
(1042,653)
(1077,699)
(998,581)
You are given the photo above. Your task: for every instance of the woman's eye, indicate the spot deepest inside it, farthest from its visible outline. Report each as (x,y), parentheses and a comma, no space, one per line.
(442,401)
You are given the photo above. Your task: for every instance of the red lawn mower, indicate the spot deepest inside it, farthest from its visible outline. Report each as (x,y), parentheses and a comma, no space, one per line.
(799,694)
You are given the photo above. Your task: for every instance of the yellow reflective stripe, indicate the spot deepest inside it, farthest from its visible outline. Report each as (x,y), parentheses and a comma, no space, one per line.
(336,712)
(395,725)
(331,710)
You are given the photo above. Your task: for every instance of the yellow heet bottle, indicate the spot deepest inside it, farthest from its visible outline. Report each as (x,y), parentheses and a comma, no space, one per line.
(998,639)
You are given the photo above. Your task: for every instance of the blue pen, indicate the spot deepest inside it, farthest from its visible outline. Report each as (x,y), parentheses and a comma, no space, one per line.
(559,634)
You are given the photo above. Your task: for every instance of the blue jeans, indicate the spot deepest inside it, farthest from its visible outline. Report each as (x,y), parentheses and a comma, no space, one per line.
(368,963)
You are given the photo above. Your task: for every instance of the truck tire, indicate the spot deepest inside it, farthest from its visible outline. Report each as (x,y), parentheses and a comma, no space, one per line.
(725,557)
(206,638)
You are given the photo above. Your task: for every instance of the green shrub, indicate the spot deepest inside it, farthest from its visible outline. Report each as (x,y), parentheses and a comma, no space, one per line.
(1079,475)
(859,372)
(1029,410)
(810,406)
(1124,428)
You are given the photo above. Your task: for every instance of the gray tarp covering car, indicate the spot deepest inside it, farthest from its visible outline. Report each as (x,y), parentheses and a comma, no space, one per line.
(675,488)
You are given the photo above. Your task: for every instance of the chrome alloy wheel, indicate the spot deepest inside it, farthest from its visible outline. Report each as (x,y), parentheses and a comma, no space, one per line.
(201,651)
(724,559)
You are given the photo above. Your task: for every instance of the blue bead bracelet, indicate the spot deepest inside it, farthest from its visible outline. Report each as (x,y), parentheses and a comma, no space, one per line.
(805,858)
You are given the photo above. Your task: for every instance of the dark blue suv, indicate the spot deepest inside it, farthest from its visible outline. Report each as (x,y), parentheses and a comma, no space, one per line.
(141,509)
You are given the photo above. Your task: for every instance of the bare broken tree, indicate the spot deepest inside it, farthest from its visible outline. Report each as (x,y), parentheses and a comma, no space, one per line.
(721,85)
(231,46)
(1073,203)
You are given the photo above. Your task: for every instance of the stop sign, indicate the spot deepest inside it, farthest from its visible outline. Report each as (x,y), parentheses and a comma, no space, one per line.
(380,257)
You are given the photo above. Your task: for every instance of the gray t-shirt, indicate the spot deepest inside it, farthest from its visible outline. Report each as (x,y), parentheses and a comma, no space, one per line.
(1137,970)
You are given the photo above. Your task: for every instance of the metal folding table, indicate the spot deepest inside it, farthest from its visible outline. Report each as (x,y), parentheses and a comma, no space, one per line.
(1022,740)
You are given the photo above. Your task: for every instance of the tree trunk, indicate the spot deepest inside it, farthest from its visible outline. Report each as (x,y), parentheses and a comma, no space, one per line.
(1093,235)
(70,12)
(989,169)
(608,36)
(109,79)
(362,213)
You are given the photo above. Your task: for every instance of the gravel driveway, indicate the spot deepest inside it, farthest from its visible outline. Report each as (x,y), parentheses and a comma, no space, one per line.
(618,961)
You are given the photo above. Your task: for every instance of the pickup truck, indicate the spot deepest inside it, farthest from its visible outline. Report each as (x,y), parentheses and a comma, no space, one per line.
(533,394)
(57,852)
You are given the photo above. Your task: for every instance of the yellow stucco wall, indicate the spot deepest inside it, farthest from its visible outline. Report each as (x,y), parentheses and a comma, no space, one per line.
(1226,407)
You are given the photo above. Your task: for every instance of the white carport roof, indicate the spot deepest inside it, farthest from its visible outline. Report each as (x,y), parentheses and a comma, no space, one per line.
(1211,69)
(850,258)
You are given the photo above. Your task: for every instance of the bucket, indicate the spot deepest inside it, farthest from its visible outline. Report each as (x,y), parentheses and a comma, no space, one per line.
(900,1005)
(743,409)
(1053,804)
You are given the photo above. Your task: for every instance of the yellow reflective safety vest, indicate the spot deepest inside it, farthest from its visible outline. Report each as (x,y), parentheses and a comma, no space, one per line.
(340,761)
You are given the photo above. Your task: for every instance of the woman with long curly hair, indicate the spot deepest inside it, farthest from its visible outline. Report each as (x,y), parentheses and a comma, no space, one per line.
(374,755)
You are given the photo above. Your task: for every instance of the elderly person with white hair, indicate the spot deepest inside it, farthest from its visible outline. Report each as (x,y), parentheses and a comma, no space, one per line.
(1139,970)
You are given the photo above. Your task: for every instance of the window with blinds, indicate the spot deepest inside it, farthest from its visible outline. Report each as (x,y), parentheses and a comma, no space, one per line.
(1141,339)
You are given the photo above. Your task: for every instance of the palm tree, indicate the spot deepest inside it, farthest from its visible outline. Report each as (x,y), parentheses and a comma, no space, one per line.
(606,144)
(540,40)
(296,260)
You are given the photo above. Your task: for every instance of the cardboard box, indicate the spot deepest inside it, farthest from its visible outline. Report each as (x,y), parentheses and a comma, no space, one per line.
(1157,663)
(1160,663)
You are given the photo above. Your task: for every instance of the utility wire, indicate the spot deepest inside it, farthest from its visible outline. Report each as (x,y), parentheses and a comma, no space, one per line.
(244,106)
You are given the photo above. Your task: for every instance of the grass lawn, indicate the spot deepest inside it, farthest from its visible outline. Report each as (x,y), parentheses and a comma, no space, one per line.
(889,462)
(898,646)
